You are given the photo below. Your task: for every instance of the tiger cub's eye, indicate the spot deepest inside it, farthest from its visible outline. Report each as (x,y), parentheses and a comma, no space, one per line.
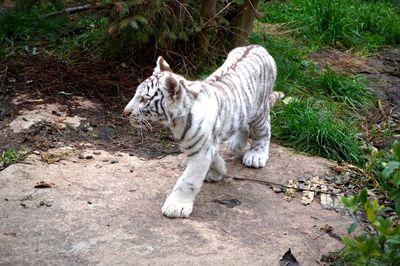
(144,99)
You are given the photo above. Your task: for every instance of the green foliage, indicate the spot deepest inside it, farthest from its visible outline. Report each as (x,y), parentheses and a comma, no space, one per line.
(342,89)
(382,245)
(22,25)
(311,129)
(379,247)
(144,24)
(10,156)
(391,175)
(342,23)
(91,39)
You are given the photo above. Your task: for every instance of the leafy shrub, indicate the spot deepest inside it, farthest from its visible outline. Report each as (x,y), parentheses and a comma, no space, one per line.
(391,176)
(382,245)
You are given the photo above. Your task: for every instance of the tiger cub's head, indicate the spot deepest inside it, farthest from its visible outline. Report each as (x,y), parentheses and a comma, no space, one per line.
(158,98)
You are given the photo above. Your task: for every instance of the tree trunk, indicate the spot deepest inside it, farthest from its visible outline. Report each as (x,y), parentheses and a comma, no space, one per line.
(207,13)
(243,22)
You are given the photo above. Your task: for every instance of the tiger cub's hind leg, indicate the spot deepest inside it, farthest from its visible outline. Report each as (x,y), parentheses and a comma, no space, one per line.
(238,141)
(257,156)
(217,169)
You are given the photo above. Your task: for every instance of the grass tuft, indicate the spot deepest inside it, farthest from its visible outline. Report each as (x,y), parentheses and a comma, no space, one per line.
(342,89)
(314,131)
(10,156)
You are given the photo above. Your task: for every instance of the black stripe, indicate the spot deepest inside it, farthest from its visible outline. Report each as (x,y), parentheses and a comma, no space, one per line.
(199,149)
(195,143)
(187,125)
(162,107)
(197,131)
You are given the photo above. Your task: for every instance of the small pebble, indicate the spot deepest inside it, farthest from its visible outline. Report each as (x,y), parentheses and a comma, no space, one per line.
(114,161)
(49,204)
(36,152)
(131,154)
(88,157)
(131,170)
(89,202)
(81,156)
(96,153)
(6,199)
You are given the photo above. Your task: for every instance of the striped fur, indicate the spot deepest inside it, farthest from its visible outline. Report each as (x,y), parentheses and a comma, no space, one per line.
(237,97)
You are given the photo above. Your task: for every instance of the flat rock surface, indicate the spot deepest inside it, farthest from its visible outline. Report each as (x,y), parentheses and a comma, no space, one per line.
(105,209)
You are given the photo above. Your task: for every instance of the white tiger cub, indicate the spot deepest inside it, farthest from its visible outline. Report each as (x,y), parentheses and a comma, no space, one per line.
(203,114)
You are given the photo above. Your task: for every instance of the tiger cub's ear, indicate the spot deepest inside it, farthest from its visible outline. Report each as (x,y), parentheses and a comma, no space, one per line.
(162,65)
(173,87)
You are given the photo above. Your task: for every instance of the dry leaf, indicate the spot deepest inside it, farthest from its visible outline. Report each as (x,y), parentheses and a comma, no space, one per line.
(44,184)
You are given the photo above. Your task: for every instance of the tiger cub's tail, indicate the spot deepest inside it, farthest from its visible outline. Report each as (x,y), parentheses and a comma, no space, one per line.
(275,96)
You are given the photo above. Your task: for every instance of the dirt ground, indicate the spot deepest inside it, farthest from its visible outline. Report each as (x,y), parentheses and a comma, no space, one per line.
(103,203)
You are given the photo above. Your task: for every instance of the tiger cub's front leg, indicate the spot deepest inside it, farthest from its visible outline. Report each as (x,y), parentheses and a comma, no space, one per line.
(179,203)
(217,169)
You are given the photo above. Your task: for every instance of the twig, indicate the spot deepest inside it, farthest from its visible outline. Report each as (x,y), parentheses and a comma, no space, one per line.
(312,253)
(71,10)
(280,185)
(205,25)
(29,196)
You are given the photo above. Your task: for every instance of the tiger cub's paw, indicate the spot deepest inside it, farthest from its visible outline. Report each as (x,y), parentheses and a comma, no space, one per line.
(173,208)
(255,159)
(238,141)
(213,176)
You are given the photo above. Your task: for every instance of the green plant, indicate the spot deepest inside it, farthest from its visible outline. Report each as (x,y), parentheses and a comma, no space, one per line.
(391,175)
(342,23)
(379,247)
(341,88)
(10,156)
(309,128)
(90,38)
(22,26)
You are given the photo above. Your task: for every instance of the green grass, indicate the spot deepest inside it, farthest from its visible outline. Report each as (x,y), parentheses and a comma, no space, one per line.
(89,39)
(341,23)
(314,130)
(342,89)
(23,28)
(10,156)
(32,31)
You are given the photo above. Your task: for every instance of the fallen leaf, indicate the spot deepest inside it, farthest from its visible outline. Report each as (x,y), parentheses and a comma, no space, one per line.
(230,203)
(308,197)
(44,184)
(278,189)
